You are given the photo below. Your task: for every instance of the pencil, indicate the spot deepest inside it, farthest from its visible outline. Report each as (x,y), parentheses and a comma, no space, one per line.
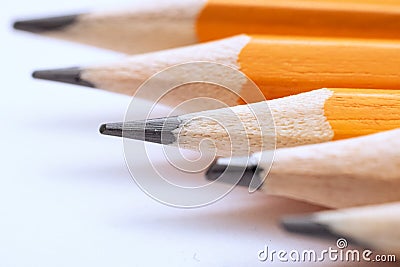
(307,118)
(345,173)
(374,227)
(155,25)
(278,66)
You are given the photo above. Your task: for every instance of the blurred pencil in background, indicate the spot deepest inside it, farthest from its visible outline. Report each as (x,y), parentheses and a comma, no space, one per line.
(345,173)
(155,25)
(374,227)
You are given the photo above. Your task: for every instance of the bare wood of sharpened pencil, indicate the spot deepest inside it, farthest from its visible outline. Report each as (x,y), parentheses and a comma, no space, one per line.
(376,227)
(278,66)
(345,173)
(149,25)
(312,117)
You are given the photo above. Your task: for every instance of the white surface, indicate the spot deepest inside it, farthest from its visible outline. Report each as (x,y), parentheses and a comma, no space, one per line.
(66,197)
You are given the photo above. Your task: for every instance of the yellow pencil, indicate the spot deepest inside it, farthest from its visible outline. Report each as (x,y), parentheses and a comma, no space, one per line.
(154,25)
(279,66)
(307,118)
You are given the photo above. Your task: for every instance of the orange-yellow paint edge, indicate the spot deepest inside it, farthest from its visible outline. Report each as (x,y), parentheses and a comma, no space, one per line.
(354,18)
(355,112)
(286,66)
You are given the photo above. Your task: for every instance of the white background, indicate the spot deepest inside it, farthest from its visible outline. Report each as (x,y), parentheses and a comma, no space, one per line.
(66,197)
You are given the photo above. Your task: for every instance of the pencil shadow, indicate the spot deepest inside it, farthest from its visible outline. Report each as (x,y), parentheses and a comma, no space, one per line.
(73,123)
(112,173)
(238,211)
(256,214)
(83,119)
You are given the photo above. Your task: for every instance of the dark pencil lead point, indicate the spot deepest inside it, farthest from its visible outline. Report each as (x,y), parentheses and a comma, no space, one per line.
(66,75)
(237,168)
(112,129)
(45,24)
(103,129)
(305,225)
(154,130)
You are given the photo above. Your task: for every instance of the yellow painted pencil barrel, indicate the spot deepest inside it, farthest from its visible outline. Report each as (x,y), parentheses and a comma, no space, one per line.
(155,25)
(278,66)
(313,117)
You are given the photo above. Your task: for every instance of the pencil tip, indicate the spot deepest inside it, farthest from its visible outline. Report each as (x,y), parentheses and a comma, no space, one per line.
(306,225)
(246,171)
(103,128)
(45,24)
(65,75)
(112,129)
(154,130)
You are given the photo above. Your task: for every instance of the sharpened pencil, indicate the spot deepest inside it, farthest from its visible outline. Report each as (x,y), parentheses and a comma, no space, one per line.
(374,227)
(155,25)
(345,173)
(278,66)
(312,117)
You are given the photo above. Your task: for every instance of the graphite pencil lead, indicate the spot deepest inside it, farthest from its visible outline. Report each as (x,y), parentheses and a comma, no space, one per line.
(112,129)
(306,225)
(232,167)
(43,25)
(65,75)
(158,131)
